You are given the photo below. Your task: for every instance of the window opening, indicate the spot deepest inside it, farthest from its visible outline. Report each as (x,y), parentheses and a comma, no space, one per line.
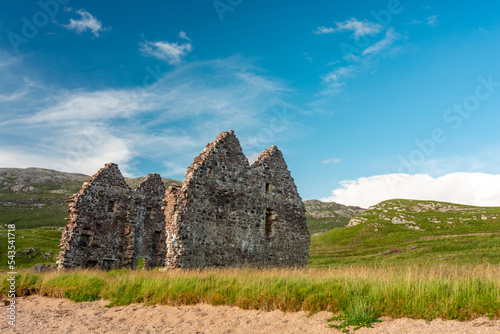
(269,227)
(111,206)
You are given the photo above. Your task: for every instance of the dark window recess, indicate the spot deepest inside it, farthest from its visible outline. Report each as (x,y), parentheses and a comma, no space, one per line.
(151,213)
(91,263)
(269,227)
(108,264)
(269,187)
(111,206)
(85,240)
(210,173)
(156,241)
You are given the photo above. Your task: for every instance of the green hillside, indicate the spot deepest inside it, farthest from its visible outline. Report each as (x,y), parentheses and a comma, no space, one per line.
(36,197)
(409,231)
(324,216)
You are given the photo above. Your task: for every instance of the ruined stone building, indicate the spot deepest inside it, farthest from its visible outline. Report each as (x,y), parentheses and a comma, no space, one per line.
(111,226)
(226,213)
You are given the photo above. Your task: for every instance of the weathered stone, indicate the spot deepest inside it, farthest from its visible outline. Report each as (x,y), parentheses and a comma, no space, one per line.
(228,213)
(110,226)
(150,222)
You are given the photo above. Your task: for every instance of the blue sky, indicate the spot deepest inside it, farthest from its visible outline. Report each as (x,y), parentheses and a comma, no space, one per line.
(368,100)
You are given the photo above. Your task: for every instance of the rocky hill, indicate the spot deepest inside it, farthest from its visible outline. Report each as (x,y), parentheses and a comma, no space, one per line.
(410,230)
(324,216)
(422,215)
(35,197)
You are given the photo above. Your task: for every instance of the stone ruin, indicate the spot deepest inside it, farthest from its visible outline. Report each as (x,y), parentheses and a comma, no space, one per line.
(226,213)
(111,226)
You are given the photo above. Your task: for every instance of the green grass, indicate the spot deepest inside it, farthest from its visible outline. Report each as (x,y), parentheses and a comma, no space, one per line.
(360,313)
(417,291)
(322,225)
(38,209)
(457,238)
(44,239)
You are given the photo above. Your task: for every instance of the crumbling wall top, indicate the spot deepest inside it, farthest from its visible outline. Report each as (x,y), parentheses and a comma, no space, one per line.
(223,155)
(152,184)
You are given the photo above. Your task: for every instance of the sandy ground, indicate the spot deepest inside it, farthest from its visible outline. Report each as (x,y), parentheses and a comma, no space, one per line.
(38,314)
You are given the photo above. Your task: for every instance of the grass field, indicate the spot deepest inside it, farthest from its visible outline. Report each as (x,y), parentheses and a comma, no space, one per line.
(461,235)
(39,209)
(323,225)
(415,291)
(33,246)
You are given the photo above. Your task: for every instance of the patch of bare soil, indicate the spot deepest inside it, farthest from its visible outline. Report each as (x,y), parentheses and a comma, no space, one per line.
(38,314)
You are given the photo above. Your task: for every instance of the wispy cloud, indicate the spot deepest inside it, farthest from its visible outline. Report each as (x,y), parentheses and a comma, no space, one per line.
(390,37)
(432,20)
(464,188)
(183,35)
(330,161)
(86,22)
(172,53)
(335,79)
(324,30)
(168,122)
(377,41)
(359,28)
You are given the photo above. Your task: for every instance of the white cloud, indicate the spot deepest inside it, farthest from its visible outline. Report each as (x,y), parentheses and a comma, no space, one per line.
(356,58)
(252,156)
(390,36)
(168,122)
(169,52)
(335,79)
(432,20)
(86,22)
(334,160)
(359,28)
(16,95)
(174,168)
(183,35)
(464,188)
(324,30)
(83,148)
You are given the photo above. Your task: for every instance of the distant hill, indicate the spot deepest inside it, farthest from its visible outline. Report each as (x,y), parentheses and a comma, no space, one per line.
(134,182)
(324,216)
(409,230)
(36,197)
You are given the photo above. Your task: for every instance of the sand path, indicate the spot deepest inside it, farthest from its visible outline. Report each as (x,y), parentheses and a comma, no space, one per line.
(38,314)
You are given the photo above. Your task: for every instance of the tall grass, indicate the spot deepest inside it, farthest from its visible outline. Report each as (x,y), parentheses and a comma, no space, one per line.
(417,291)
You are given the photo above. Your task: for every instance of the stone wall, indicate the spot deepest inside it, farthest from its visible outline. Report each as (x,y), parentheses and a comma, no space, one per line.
(110,226)
(150,222)
(98,233)
(228,213)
